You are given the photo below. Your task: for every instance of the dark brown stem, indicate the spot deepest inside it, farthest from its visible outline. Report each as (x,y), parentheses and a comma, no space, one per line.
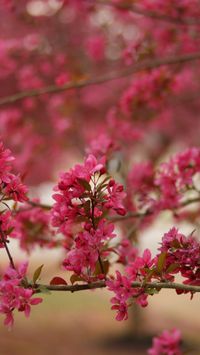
(3,239)
(136,284)
(101,264)
(93,223)
(145,65)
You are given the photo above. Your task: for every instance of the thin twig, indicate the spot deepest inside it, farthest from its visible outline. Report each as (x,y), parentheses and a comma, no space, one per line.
(130,215)
(145,65)
(3,239)
(150,212)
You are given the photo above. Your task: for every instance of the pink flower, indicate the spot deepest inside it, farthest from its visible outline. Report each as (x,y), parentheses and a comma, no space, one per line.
(169,342)
(127,252)
(14,296)
(5,163)
(32,227)
(121,286)
(15,189)
(121,308)
(102,146)
(114,197)
(95,47)
(62,79)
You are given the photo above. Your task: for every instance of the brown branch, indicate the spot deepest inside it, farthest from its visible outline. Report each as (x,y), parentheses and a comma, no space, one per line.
(190,201)
(3,239)
(152,14)
(136,284)
(149,212)
(145,65)
(128,215)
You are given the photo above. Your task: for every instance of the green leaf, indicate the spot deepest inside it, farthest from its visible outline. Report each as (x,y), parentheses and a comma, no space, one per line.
(74,278)
(103,183)
(37,273)
(161,262)
(150,273)
(85,184)
(9,230)
(105,264)
(175,244)
(172,267)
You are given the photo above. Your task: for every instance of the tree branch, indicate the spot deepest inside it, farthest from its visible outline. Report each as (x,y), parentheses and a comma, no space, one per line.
(149,212)
(145,65)
(136,284)
(152,14)
(128,215)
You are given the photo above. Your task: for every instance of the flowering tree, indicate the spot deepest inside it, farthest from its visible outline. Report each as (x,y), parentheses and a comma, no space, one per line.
(119,93)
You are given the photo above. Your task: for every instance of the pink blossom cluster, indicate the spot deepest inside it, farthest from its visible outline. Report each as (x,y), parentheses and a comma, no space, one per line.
(13,296)
(149,90)
(166,186)
(32,227)
(177,176)
(11,187)
(178,254)
(89,246)
(85,195)
(168,342)
(121,285)
(102,146)
(126,251)
(184,254)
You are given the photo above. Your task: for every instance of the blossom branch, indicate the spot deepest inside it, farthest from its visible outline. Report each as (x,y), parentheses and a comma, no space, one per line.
(136,284)
(145,65)
(127,216)
(152,14)
(149,212)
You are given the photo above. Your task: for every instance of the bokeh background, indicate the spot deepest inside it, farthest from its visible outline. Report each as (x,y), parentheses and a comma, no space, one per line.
(51,43)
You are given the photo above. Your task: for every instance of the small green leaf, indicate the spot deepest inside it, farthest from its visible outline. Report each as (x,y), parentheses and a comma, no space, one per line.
(37,273)
(9,230)
(103,183)
(105,264)
(85,184)
(175,244)
(172,267)
(161,262)
(75,278)
(150,273)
